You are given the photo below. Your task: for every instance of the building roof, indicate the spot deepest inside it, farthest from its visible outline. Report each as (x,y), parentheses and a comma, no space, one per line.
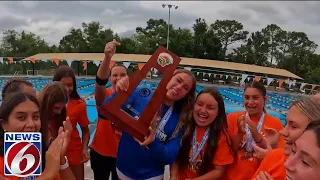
(185,61)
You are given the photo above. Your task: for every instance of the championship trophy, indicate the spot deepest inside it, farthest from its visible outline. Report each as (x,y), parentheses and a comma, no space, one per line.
(166,63)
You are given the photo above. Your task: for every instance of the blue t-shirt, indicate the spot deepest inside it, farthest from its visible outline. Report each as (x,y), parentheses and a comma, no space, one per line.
(138,162)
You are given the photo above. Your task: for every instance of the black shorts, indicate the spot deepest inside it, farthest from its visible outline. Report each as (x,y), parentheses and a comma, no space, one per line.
(102,166)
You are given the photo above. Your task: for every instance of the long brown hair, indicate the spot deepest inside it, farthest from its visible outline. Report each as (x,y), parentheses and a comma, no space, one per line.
(185,104)
(11,101)
(51,94)
(218,128)
(64,72)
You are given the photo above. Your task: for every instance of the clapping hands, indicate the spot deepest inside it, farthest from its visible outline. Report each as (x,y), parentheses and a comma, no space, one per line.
(55,155)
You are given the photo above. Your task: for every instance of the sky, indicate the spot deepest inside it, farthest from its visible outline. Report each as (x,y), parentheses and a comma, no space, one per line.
(52,20)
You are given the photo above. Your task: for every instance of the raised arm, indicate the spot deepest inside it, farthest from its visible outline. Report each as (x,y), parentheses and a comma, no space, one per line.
(103,72)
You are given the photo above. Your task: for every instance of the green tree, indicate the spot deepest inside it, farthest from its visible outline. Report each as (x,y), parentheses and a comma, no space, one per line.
(228,32)
(96,37)
(255,51)
(271,46)
(242,54)
(128,46)
(181,42)
(298,50)
(206,44)
(22,44)
(259,49)
(312,68)
(273,35)
(152,36)
(74,41)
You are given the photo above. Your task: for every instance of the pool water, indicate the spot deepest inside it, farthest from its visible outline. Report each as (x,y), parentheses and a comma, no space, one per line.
(277,104)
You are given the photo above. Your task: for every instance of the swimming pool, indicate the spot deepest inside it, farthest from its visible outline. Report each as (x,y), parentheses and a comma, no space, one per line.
(277,104)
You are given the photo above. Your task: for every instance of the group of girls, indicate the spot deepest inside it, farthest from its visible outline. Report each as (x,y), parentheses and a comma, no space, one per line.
(54,111)
(197,139)
(190,133)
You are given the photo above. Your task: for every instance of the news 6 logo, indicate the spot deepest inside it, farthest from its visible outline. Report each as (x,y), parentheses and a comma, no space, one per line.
(22,154)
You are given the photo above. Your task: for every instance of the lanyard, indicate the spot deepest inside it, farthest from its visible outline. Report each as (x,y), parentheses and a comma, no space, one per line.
(196,151)
(249,138)
(160,130)
(165,119)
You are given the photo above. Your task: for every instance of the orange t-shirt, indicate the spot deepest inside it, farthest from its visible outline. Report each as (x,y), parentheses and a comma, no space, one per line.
(107,136)
(244,169)
(2,170)
(13,177)
(273,164)
(77,113)
(223,155)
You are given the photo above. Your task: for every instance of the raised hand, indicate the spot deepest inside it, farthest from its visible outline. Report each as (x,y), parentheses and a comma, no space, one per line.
(53,157)
(122,84)
(251,125)
(148,140)
(67,129)
(110,48)
(241,124)
(261,152)
(272,136)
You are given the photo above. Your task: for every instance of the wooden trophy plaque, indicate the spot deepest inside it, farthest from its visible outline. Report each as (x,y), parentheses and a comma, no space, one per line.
(165,62)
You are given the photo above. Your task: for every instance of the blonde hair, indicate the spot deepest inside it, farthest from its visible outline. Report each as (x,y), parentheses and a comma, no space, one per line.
(309,107)
(186,105)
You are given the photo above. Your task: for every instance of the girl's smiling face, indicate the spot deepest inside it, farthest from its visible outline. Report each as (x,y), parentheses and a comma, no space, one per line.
(25,117)
(205,110)
(304,162)
(296,125)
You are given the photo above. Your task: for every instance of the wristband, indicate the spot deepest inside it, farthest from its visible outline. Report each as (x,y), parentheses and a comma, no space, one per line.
(101,82)
(65,165)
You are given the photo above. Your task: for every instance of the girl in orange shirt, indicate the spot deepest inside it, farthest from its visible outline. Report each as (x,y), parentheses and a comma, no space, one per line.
(53,99)
(77,152)
(247,128)
(19,112)
(300,114)
(206,146)
(106,139)
(304,161)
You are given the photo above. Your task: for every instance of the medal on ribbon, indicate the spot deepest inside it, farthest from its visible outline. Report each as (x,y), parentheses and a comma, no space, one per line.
(248,151)
(196,151)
